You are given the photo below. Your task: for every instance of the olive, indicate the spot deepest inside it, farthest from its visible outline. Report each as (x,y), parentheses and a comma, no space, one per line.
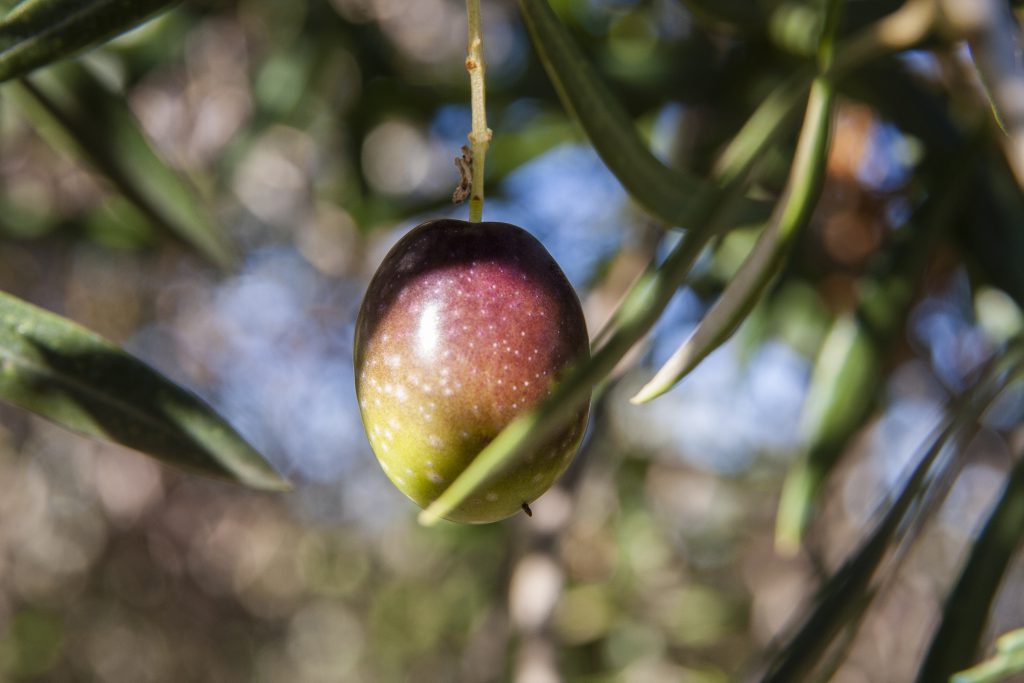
(465,326)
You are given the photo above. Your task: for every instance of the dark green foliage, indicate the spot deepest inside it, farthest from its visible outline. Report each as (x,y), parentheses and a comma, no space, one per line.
(59,370)
(40,32)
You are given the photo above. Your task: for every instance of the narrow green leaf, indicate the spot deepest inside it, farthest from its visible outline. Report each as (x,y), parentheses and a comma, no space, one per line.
(672,196)
(846,381)
(900,30)
(955,643)
(766,260)
(39,32)
(844,592)
(678,198)
(56,368)
(769,255)
(104,130)
(998,669)
(1011,642)
(843,600)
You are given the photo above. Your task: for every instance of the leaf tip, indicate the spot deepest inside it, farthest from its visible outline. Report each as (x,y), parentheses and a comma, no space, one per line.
(269,481)
(797,498)
(262,476)
(788,541)
(281,485)
(430,516)
(648,393)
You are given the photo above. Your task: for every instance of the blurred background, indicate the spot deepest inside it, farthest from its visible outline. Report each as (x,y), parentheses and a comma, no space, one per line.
(316,133)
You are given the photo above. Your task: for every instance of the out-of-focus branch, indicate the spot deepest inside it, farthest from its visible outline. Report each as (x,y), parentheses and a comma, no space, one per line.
(995,41)
(538,576)
(536,585)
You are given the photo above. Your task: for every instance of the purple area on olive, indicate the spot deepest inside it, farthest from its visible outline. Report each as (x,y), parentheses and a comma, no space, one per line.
(465,326)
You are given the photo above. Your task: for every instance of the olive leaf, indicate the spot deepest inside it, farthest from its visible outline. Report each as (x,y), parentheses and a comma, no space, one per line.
(71,107)
(672,196)
(844,599)
(846,381)
(56,368)
(967,608)
(768,257)
(790,218)
(842,602)
(39,32)
(1007,661)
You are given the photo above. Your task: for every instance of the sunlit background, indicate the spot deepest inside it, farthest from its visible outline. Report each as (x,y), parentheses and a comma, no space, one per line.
(320,132)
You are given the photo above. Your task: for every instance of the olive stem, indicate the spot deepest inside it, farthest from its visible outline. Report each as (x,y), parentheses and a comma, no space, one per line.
(480,136)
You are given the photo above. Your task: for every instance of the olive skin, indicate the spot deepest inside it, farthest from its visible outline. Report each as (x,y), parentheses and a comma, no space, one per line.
(465,326)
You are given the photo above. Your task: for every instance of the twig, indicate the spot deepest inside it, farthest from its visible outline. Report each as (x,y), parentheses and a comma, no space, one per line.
(480,136)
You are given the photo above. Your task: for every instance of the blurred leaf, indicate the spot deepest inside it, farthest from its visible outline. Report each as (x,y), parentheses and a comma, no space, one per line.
(844,598)
(1011,642)
(842,601)
(847,376)
(117,224)
(955,643)
(845,380)
(901,29)
(107,134)
(769,254)
(60,370)
(998,669)
(994,39)
(1008,661)
(24,220)
(991,233)
(39,32)
(672,196)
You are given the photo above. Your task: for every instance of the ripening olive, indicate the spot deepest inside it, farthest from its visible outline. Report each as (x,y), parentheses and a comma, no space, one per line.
(465,326)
